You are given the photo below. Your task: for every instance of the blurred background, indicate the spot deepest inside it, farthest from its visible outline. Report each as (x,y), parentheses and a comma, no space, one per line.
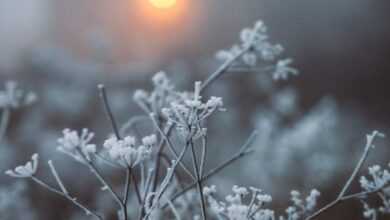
(312,126)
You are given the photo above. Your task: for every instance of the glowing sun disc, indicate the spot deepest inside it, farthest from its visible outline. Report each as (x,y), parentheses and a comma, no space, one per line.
(163,4)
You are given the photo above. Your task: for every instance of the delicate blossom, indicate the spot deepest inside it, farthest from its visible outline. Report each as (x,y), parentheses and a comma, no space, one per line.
(283,70)
(235,208)
(255,49)
(190,112)
(125,152)
(379,182)
(27,170)
(300,207)
(77,145)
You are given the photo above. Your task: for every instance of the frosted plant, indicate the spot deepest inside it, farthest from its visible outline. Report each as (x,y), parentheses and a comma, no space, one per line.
(378,183)
(301,208)
(283,70)
(157,175)
(255,46)
(77,146)
(27,170)
(126,153)
(192,112)
(234,207)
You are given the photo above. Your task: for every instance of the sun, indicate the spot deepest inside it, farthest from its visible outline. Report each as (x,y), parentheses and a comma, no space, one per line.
(163,4)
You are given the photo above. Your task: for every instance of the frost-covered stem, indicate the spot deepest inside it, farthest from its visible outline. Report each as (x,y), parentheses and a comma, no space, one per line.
(198,180)
(170,146)
(5,115)
(241,153)
(174,166)
(96,172)
(136,189)
(127,186)
(341,196)
(157,164)
(204,152)
(67,196)
(110,115)
(103,96)
(224,67)
(57,177)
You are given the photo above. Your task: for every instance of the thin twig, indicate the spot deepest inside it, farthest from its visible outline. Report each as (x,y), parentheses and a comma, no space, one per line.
(96,172)
(127,186)
(165,184)
(341,196)
(198,180)
(170,146)
(136,189)
(103,95)
(160,148)
(224,67)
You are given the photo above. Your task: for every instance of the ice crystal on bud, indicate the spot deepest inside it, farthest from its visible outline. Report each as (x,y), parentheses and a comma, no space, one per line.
(14,97)
(188,113)
(300,207)
(283,70)
(27,170)
(379,182)
(125,152)
(77,145)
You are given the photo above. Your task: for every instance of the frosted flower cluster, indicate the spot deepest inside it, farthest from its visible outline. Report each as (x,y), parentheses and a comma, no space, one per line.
(256,47)
(188,114)
(235,208)
(27,170)
(125,152)
(77,145)
(379,181)
(14,97)
(301,207)
(186,110)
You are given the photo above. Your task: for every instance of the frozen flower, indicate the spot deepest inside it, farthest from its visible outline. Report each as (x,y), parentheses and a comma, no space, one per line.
(77,146)
(301,207)
(283,69)
(14,97)
(379,178)
(235,207)
(27,170)
(125,152)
